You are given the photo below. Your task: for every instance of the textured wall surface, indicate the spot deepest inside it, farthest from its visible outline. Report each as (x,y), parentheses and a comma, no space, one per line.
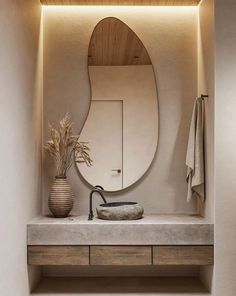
(225,144)
(20,118)
(170,36)
(206,85)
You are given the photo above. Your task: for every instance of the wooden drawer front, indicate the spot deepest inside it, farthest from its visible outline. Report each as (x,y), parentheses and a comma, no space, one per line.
(183,255)
(120,255)
(58,255)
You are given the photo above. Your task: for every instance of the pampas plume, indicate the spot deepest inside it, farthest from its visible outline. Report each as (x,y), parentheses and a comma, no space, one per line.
(63,145)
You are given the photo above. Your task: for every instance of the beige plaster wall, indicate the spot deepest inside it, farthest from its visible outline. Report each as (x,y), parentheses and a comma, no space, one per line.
(20,121)
(170,35)
(225,147)
(206,85)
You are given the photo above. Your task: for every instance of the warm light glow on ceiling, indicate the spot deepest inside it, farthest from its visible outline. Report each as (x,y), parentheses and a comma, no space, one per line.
(119,7)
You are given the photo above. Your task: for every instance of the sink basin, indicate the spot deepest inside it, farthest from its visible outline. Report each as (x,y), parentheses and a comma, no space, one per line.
(120,211)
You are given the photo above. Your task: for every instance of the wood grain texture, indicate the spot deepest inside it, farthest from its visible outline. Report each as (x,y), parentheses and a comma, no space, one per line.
(58,255)
(120,255)
(123,2)
(183,255)
(113,43)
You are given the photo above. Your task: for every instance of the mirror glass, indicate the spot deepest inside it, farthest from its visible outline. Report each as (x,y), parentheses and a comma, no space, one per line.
(122,123)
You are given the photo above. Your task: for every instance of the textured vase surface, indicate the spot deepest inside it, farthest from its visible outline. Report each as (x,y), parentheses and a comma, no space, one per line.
(61,197)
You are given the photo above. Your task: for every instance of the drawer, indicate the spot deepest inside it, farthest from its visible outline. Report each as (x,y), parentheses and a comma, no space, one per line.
(120,255)
(58,255)
(183,255)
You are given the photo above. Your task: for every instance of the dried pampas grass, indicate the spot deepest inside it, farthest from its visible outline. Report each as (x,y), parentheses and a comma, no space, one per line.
(63,145)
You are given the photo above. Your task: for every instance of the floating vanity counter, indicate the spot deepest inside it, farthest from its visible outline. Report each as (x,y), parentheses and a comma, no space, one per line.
(151,230)
(153,240)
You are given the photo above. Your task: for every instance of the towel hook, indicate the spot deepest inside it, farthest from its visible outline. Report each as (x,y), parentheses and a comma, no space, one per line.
(204,96)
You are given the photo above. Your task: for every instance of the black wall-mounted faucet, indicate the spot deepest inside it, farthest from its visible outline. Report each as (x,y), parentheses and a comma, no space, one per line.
(97,189)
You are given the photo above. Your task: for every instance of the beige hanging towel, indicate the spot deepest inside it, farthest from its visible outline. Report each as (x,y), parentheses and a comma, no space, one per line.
(195,154)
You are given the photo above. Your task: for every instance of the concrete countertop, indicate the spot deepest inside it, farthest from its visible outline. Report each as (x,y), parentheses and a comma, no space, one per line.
(150,230)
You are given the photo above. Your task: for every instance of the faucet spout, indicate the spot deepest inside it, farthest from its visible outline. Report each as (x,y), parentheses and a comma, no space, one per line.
(97,189)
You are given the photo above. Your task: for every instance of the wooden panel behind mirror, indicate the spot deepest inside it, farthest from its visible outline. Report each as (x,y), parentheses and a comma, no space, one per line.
(114,44)
(123,2)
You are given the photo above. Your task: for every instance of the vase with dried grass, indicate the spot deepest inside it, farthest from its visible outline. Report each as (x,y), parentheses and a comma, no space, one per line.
(62,148)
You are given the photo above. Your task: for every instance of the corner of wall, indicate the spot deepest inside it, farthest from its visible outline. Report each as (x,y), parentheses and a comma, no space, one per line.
(206,85)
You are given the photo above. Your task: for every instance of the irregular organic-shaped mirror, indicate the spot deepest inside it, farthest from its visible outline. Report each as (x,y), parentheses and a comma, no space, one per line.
(122,124)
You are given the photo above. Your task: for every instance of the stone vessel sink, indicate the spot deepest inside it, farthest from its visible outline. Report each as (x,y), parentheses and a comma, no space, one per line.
(120,211)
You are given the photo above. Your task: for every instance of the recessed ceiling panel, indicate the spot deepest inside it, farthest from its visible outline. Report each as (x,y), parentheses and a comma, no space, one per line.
(123,2)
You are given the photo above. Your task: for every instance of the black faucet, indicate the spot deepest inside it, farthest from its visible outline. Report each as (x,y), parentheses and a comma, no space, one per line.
(97,189)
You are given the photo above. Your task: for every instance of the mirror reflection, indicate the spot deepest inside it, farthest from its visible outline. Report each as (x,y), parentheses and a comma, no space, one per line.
(122,124)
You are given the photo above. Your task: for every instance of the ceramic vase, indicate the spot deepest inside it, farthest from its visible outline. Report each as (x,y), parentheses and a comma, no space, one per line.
(61,197)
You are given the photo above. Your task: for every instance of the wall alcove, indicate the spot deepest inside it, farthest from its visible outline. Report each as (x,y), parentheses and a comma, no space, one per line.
(170,37)
(180,51)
